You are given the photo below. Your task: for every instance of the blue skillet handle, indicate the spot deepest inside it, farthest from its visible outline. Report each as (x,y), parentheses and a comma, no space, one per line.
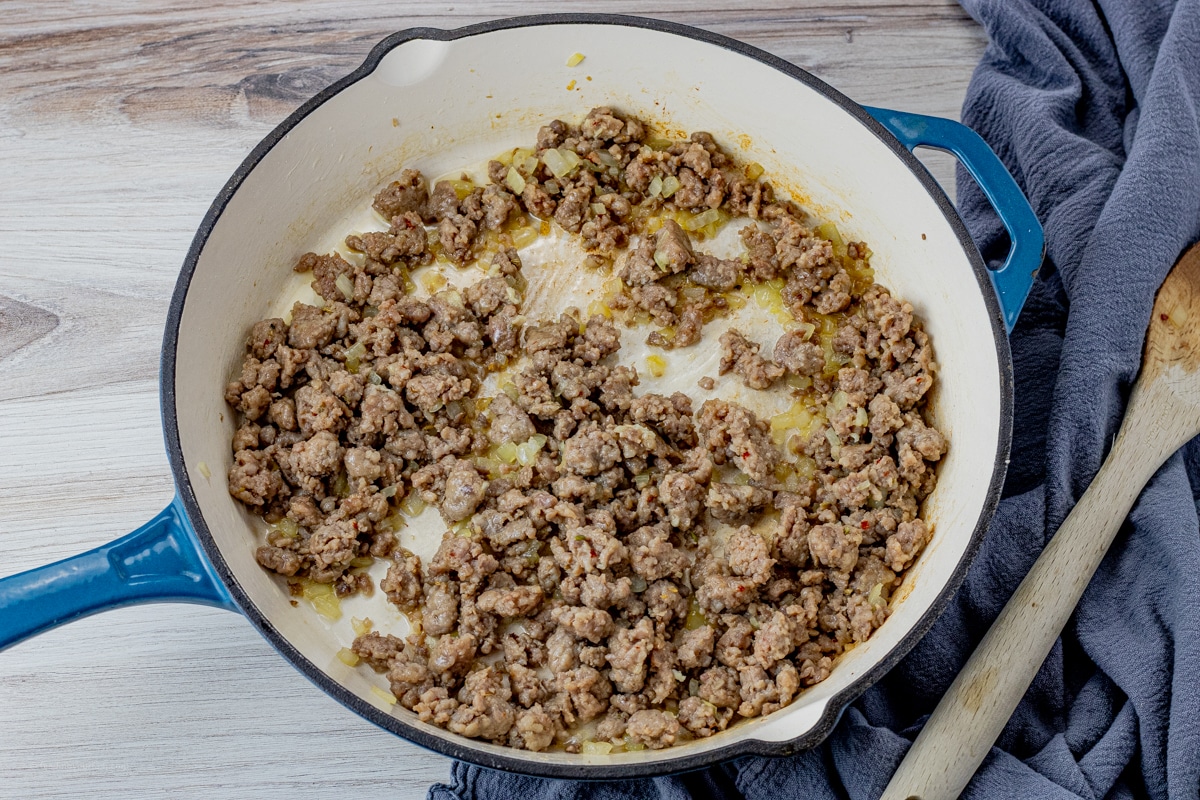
(159,562)
(1013,280)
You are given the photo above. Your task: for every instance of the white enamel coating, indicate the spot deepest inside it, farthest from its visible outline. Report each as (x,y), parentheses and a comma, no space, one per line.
(437,105)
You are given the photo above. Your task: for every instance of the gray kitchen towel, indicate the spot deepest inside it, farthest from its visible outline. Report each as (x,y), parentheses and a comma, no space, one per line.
(1095,109)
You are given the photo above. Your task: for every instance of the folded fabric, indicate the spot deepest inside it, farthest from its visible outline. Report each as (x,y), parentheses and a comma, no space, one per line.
(1095,109)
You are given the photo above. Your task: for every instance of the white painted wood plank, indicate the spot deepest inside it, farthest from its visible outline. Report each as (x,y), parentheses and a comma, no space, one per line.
(119,121)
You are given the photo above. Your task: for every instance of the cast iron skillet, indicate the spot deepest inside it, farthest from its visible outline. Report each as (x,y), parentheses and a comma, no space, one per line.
(174,558)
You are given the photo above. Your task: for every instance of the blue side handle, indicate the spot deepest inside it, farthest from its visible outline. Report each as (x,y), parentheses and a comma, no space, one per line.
(1013,280)
(159,562)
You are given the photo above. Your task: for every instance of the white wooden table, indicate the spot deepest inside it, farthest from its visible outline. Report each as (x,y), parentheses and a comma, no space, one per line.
(117,127)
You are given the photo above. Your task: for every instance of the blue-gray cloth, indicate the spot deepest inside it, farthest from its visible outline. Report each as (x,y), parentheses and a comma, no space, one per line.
(1095,109)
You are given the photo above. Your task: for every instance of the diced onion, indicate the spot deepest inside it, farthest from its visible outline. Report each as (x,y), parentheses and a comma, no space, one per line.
(836,403)
(554,162)
(345,285)
(798,381)
(393,522)
(204,470)
(432,281)
(655,188)
(413,505)
(661,259)
(462,189)
(571,158)
(597,308)
(835,441)
(875,596)
(384,695)
(560,161)
(679,676)
(323,600)
(514,181)
(286,527)
(754,170)
(606,158)
(524,236)
(361,627)
(598,208)
(348,657)
(354,356)
(829,231)
(575,60)
(596,748)
(637,582)
(507,452)
(702,219)
(695,617)
(527,451)
(670,185)
(860,418)
(657,365)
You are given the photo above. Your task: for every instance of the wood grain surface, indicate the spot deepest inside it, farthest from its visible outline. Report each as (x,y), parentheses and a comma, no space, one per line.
(119,121)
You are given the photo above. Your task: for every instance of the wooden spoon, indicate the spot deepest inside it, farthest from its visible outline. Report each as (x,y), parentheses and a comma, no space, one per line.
(1163,414)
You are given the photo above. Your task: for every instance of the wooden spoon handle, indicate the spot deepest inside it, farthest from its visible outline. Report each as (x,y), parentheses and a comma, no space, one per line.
(979,703)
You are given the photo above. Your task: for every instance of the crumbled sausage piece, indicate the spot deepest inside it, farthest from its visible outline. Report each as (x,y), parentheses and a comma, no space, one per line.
(276,559)
(590,453)
(733,433)
(408,192)
(485,711)
(730,502)
(696,649)
(653,556)
(583,693)
(534,729)
(683,497)
(453,654)
(441,608)
(311,327)
(464,490)
(402,584)
(520,601)
(653,728)
(582,622)
(253,478)
(740,355)
(835,546)
(797,355)
(905,543)
(749,555)
(378,650)
(715,273)
(702,717)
